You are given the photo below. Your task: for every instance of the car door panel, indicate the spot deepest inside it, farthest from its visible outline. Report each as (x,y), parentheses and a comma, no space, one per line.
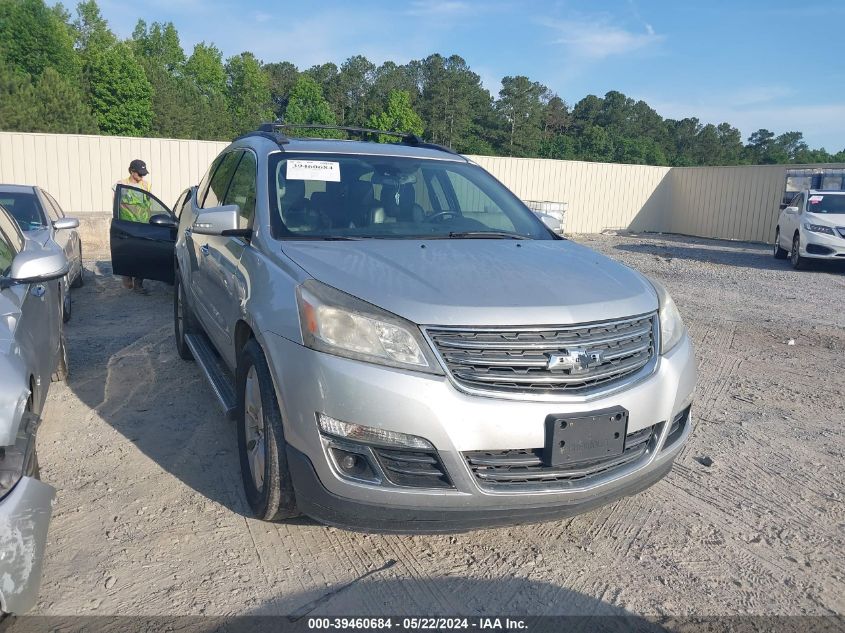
(140,249)
(213,274)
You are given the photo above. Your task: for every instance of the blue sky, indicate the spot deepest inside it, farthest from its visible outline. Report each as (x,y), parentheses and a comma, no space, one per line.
(754,63)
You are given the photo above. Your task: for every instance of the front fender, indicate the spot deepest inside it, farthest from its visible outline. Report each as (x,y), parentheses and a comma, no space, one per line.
(24,518)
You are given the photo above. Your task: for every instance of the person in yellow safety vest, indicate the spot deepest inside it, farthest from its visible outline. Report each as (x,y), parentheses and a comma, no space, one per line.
(135,207)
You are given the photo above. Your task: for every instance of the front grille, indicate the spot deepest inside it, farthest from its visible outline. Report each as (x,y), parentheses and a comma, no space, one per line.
(841,230)
(523,469)
(412,469)
(516,360)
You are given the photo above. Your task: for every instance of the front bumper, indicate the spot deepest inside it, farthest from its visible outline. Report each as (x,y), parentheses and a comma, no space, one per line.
(455,423)
(24,518)
(821,245)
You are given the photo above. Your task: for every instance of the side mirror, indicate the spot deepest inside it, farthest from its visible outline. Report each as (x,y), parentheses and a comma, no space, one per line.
(219,221)
(163,219)
(30,267)
(63,224)
(791,210)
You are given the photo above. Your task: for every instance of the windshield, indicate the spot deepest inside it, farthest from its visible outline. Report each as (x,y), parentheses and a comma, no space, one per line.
(338,196)
(24,208)
(826,203)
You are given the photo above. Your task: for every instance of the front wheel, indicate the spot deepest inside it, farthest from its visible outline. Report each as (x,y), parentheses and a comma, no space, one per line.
(779,253)
(67,305)
(79,280)
(261,440)
(60,375)
(795,255)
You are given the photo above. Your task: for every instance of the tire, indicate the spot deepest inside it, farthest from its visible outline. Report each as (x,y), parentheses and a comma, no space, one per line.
(795,258)
(261,440)
(79,280)
(61,372)
(183,319)
(779,253)
(67,305)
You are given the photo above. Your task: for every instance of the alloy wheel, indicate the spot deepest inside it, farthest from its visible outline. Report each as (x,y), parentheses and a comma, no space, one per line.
(254,428)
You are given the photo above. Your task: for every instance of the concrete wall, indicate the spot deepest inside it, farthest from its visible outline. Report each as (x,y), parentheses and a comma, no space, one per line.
(80,170)
(724,202)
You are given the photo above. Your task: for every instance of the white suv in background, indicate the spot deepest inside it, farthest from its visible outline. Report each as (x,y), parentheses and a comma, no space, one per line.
(812,226)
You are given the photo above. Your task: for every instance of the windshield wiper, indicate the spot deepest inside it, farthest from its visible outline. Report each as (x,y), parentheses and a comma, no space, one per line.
(487,235)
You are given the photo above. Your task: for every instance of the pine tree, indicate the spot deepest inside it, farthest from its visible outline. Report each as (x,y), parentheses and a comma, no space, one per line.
(61,106)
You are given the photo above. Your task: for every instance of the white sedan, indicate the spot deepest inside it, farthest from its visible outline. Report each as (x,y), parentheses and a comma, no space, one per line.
(812,227)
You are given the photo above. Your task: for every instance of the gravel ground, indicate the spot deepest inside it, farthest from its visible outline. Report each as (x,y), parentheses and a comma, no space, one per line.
(150,517)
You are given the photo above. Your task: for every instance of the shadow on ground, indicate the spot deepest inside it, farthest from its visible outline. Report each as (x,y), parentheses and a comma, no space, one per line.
(124,366)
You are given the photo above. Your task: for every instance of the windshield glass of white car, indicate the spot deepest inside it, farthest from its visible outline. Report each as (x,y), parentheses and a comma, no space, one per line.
(825,203)
(336,196)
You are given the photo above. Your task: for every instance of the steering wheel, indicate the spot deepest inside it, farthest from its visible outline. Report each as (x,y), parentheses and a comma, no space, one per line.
(441,214)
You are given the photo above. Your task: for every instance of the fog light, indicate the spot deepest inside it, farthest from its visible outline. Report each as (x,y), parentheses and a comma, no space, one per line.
(353,464)
(369,434)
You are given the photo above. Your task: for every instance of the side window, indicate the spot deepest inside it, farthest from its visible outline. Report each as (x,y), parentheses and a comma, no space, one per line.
(242,190)
(137,205)
(799,202)
(202,189)
(180,203)
(6,255)
(11,242)
(220,180)
(56,206)
(49,208)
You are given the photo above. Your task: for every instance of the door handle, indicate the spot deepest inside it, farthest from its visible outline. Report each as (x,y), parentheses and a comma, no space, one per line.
(188,232)
(38,291)
(204,250)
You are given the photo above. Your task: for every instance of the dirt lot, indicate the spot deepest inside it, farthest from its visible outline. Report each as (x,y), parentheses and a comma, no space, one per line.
(149,517)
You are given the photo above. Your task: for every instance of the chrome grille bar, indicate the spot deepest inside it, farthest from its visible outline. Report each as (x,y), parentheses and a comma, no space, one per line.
(516,360)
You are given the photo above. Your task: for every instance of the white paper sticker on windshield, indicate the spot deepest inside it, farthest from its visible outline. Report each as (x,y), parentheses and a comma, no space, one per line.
(816,199)
(323,170)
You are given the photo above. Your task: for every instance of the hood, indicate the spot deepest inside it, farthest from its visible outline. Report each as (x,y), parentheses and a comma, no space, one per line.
(479,282)
(39,236)
(825,219)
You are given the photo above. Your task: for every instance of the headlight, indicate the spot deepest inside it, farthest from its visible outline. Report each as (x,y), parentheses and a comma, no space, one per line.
(671,323)
(818,228)
(340,324)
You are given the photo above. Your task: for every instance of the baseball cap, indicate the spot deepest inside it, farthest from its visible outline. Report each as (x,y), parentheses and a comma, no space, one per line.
(139,167)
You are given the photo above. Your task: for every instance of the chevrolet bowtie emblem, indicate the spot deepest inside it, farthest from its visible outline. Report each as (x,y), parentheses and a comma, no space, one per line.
(575,360)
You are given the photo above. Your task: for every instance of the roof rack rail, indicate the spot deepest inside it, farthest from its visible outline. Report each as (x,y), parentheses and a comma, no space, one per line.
(272,131)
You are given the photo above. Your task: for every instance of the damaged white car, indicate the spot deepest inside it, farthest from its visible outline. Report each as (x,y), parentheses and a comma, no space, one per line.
(32,354)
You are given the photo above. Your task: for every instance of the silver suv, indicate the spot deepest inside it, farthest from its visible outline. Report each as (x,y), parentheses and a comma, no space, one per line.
(405,346)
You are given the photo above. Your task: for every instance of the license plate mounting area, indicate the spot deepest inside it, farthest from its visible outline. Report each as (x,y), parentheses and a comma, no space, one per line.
(585,437)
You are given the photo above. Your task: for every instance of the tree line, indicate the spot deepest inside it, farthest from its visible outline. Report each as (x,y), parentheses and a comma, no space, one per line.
(69,73)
